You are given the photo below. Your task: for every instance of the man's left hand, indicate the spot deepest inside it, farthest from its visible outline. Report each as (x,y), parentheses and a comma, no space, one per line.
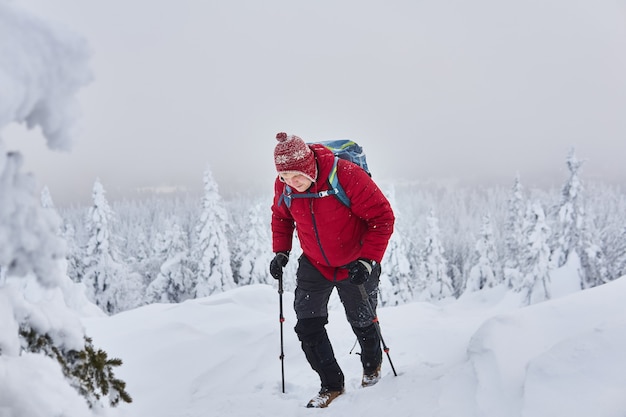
(359,271)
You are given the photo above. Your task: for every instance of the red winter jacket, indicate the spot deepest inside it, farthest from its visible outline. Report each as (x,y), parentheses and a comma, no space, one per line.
(332,235)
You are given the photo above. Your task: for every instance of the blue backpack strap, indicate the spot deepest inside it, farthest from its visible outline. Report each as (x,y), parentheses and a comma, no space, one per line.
(285,197)
(335,189)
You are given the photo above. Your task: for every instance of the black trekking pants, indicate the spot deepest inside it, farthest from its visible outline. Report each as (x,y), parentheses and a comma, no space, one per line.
(311,305)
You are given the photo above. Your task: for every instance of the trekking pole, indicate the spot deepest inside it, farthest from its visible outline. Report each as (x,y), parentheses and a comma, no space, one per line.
(281,318)
(377,326)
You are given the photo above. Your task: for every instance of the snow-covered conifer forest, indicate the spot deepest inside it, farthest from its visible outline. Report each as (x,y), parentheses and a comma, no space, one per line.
(448,240)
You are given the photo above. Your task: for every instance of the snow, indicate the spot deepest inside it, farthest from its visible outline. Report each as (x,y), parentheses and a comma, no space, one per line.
(481,355)
(31,373)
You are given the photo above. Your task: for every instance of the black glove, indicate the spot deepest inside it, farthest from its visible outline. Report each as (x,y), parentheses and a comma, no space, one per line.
(359,271)
(278,263)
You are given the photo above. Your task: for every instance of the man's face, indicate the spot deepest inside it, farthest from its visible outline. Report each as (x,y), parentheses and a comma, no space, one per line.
(296,181)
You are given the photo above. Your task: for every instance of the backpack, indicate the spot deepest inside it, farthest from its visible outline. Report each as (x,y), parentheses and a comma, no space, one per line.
(341,148)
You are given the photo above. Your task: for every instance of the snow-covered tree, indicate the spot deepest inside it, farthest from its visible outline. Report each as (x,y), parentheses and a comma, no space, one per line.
(604,226)
(433,270)
(619,263)
(397,273)
(107,282)
(593,261)
(211,251)
(485,272)
(513,232)
(30,244)
(569,215)
(174,283)
(43,346)
(251,256)
(75,253)
(535,259)
(142,256)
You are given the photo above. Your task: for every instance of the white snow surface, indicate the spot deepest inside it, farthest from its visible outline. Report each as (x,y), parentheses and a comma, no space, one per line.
(481,355)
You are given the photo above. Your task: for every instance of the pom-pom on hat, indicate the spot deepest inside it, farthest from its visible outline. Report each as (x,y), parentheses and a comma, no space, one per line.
(293,155)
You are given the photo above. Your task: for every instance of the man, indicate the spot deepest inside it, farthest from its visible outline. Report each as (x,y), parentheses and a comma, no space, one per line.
(342,248)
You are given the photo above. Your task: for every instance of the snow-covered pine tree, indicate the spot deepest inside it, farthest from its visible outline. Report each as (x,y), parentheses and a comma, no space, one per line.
(618,265)
(28,232)
(514,234)
(535,256)
(107,282)
(47,204)
(72,264)
(433,270)
(141,256)
(75,253)
(569,216)
(38,265)
(593,260)
(251,254)
(396,281)
(485,271)
(605,219)
(73,233)
(175,282)
(211,252)
(42,339)
(134,222)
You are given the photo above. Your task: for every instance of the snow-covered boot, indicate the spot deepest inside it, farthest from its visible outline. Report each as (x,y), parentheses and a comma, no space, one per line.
(371,378)
(323,398)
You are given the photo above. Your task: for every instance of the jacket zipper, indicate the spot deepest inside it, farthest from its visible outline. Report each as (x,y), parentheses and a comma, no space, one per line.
(317,236)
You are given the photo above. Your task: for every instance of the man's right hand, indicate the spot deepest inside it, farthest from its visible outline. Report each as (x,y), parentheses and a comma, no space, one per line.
(278,263)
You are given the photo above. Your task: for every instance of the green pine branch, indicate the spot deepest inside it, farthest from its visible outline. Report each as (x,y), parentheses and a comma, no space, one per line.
(89,371)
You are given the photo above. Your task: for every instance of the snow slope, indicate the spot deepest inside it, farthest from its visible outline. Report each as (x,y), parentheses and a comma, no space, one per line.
(480,355)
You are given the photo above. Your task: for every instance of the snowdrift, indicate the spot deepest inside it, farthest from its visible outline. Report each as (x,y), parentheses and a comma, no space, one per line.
(481,355)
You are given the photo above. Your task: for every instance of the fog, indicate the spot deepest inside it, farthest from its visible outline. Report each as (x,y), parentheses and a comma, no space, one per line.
(475,92)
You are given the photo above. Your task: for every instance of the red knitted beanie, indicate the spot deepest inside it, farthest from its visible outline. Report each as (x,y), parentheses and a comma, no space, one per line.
(293,155)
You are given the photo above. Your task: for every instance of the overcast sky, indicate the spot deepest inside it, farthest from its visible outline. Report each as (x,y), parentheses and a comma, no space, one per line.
(478,90)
